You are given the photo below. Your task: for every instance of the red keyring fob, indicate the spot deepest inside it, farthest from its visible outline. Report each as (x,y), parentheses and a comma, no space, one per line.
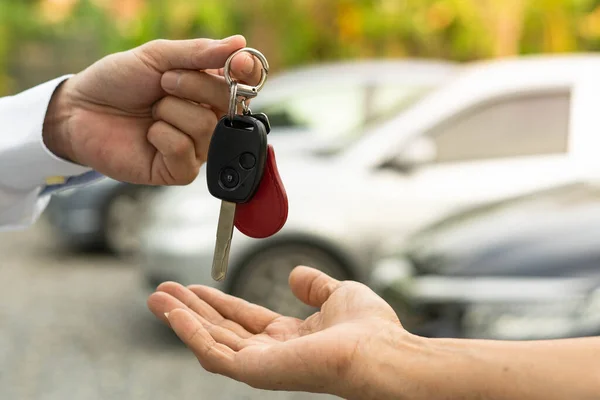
(266,213)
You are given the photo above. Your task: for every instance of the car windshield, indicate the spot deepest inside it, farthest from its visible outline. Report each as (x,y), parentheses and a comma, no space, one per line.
(337,118)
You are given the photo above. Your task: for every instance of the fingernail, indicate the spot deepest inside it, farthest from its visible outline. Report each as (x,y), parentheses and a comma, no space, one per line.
(248,65)
(170,80)
(167,315)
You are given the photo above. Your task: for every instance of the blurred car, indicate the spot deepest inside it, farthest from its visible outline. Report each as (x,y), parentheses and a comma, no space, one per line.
(497,130)
(527,268)
(317,109)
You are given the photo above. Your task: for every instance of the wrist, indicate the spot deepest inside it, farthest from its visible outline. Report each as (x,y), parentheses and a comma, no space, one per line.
(382,366)
(396,364)
(56,133)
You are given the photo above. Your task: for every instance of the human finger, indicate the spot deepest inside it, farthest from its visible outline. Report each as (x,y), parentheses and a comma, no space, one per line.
(246,68)
(161,304)
(215,71)
(252,317)
(214,357)
(192,119)
(194,303)
(175,162)
(197,86)
(193,54)
(312,286)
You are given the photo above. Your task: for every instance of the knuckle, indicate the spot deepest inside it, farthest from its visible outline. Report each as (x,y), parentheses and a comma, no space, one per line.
(151,52)
(186,180)
(155,45)
(180,146)
(159,107)
(209,122)
(191,83)
(155,130)
(205,122)
(199,46)
(187,176)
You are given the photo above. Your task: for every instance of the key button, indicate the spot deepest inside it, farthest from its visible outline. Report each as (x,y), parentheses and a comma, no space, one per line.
(229,178)
(247,160)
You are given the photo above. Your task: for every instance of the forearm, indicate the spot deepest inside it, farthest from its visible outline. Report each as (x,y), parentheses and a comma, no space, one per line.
(476,369)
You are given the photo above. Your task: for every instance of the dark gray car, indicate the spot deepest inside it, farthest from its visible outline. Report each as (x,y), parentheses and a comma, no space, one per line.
(527,268)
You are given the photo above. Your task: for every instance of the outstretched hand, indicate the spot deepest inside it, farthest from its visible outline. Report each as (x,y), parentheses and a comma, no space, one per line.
(147,115)
(326,353)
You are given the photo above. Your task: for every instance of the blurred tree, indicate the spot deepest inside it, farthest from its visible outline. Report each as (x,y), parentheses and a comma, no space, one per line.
(40,39)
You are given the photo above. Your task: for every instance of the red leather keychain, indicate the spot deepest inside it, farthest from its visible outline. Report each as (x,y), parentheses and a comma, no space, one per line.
(266,213)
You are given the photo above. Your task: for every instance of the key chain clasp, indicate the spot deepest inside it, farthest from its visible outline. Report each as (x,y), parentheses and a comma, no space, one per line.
(237,89)
(247,91)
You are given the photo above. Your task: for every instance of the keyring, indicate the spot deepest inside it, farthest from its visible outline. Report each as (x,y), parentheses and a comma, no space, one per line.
(248,91)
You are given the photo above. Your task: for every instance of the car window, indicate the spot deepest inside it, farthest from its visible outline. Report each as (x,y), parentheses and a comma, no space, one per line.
(387,100)
(341,112)
(516,126)
(328,111)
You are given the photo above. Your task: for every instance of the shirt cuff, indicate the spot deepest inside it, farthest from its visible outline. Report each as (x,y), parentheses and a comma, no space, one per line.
(79,180)
(25,161)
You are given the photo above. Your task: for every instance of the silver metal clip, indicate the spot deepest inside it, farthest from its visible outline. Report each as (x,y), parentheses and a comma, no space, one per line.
(243,90)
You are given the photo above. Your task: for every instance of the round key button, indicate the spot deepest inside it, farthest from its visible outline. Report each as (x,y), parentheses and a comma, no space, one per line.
(229,178)
(247,160)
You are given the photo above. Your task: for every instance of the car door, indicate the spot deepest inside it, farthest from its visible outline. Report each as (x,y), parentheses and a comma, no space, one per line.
(499,148)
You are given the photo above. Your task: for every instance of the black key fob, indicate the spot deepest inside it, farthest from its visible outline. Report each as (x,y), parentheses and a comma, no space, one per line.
(236,158)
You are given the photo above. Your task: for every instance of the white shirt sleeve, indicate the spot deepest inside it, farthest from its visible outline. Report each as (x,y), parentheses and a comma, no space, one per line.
(27,167)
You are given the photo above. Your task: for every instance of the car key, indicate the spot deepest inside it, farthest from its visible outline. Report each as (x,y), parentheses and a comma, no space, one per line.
(235,166)
(236,160)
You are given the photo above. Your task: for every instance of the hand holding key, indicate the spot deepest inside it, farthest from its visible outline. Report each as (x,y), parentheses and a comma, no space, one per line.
(146,115)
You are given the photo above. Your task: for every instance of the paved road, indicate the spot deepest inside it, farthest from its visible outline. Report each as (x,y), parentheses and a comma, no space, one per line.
(76,327)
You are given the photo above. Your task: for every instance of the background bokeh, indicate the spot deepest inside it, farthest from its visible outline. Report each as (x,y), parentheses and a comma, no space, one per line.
(73,321)
(42,38)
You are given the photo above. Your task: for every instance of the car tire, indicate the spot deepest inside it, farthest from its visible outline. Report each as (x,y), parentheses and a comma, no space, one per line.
(263,277)
(123,216)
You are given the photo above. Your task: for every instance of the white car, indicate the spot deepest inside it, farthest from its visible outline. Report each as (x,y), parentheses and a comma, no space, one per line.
(324,107)
(312,109)
(499,129)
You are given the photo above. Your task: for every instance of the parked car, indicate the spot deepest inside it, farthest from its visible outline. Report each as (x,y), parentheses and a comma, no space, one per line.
(317,109)
(498,130)
(527,268)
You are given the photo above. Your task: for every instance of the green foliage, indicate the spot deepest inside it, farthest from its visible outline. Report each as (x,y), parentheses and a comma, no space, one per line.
(40,39)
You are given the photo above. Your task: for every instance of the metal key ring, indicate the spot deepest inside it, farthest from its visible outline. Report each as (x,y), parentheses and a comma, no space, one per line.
(248,91)
(232,100)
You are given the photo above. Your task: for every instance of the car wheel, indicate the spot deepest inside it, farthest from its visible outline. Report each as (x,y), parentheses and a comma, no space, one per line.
(263,278)
(123,218)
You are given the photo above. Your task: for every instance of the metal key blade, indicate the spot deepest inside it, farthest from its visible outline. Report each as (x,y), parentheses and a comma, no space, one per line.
(223,242)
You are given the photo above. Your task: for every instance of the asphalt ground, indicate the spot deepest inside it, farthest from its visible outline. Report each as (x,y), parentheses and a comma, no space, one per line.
(75,326)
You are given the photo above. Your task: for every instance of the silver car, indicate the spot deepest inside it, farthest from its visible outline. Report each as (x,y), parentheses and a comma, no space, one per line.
(439,154)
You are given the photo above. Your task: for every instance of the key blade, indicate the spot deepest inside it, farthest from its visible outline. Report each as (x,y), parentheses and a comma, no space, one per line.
(223,242)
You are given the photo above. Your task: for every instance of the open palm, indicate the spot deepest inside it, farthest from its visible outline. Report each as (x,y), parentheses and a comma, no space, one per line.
(266,350)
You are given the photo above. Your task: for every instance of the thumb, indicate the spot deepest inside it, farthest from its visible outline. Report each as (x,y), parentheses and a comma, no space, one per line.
(194,54)
(312,286)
